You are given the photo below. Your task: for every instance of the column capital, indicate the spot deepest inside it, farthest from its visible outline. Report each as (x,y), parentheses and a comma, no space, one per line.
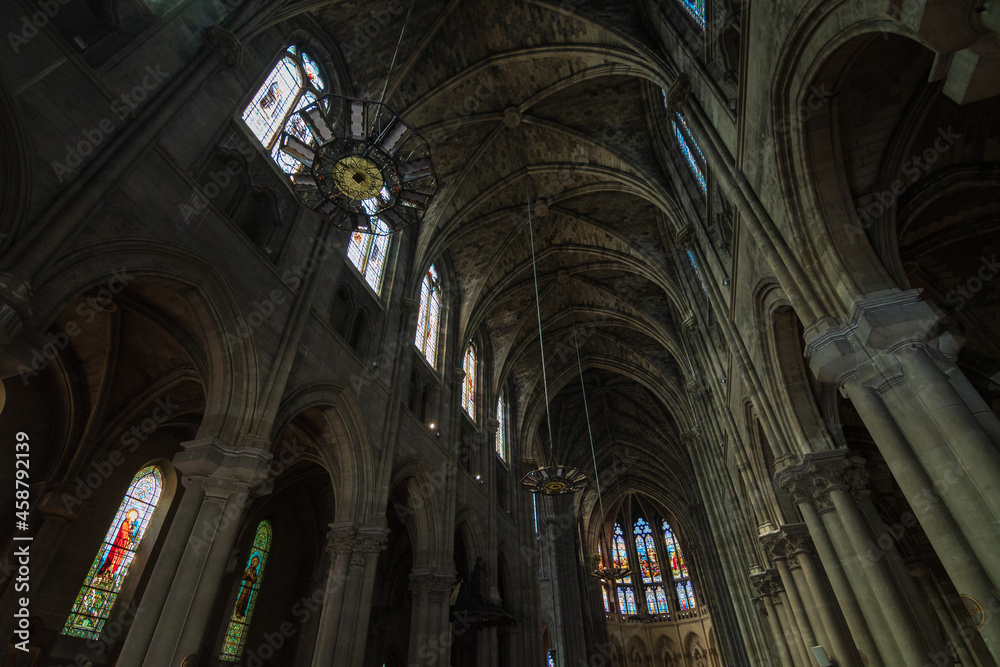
(819,473)
(767,582)
(880,321)
(226,43)
(789,540)
(679,92)
(211,457)
(434,582)
(340,538)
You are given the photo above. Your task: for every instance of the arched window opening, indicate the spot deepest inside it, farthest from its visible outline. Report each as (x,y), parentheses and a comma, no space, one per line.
(367,252)
(253,572)
(469,386)
(679,569)
(696,8)
(111,565)
(619,554)
(501,440)
(294,83)
(428,316)
(649,567)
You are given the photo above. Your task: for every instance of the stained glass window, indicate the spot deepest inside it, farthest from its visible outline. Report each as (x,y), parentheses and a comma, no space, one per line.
(697,273)
(696,8)
(552,658)
(428,316)
(293,84)
(607,603)
(534,503)
(253,572)
(626,600)
(107,573)
(689,147)
(619,554)
(469,384)
(367,252)
(646,550)
(501,443)
(679,569)
(661,600)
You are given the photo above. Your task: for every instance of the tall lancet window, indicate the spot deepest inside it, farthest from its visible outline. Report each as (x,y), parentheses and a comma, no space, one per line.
(679,569)
(253,572)
(689,147)
(696,8)
(429,315)
(367,252)
(649,568)
(501,443)
(619,553)
(294,83)
(469,385)
(107,573)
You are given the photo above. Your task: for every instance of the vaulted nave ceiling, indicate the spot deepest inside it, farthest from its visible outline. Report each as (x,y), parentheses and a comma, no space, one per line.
(550,103)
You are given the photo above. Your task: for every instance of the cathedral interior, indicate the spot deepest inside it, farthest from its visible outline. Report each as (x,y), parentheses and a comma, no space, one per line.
(399,333)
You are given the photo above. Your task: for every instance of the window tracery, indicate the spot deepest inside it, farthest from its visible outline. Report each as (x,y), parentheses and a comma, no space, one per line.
(367,252)
(293,84)
(104,581)
(428,316)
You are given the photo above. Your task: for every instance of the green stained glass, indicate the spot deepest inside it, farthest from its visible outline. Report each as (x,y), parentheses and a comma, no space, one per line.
(107,573)
(253,572)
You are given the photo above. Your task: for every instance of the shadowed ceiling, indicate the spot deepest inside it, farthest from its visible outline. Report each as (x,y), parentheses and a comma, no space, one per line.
(555,104)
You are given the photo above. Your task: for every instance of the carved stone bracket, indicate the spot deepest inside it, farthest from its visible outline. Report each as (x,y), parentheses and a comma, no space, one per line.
(685,236)
(822,472)
(787,542)
(767,582)
(226,42)
(679,92)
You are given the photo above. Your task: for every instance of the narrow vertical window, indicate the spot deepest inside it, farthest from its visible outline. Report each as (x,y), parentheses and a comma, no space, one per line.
(294,84)
(689,147)
(428,316)
(501,443)
(107,573)
(619,554)
(253,571)
(679,569)
(534,503)
(552,658)
(469,384)
(367,252)
(697,272)
(696,8)
(649,568)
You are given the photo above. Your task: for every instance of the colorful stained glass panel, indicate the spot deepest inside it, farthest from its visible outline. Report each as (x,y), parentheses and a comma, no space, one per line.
(692,153)
(107,573)
(607,603)
(367,253)
(501,443)
(646,549)
(677,565)
(696,8)
(661,600)
(697,272)
(312,72)
(428,316)
(469,384)
(266,113)
(253,572)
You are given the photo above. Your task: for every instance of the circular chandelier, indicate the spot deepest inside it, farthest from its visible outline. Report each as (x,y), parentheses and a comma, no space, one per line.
(361,161)
(613,573)
(554,480)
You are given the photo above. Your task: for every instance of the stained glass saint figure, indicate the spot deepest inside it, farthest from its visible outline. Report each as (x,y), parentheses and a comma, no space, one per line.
(239,623)
(111,565)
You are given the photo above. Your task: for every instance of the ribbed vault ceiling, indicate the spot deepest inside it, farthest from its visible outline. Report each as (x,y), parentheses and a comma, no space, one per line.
(554,104)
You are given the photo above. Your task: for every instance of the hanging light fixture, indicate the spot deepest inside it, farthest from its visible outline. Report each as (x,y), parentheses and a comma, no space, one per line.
(360,161)
(552,480)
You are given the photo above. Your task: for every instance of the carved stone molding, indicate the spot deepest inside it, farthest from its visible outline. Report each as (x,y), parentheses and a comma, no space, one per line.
(767,582)
(685,236)
(822,472)
(340,540)
(787,542)
(678,93)
(226,42)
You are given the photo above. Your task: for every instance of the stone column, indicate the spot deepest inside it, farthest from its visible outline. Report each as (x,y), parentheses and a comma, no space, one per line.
(566,581)
(338,545)
(769,583)
(141,632)
(230,476)
(779,549)
(352,634)
(430,625)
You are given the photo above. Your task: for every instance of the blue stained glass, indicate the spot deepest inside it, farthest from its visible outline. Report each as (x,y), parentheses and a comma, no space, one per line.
(692,153)
(697,273)
(312,72)
(501,444)
(552,658)
(696,8)
(682,598)
(674,553)
(607,603)
(689,590)
(646,549)
(661,600)
(114,558)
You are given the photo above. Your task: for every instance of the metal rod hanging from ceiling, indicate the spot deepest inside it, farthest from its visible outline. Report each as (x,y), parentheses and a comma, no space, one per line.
(541,342)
